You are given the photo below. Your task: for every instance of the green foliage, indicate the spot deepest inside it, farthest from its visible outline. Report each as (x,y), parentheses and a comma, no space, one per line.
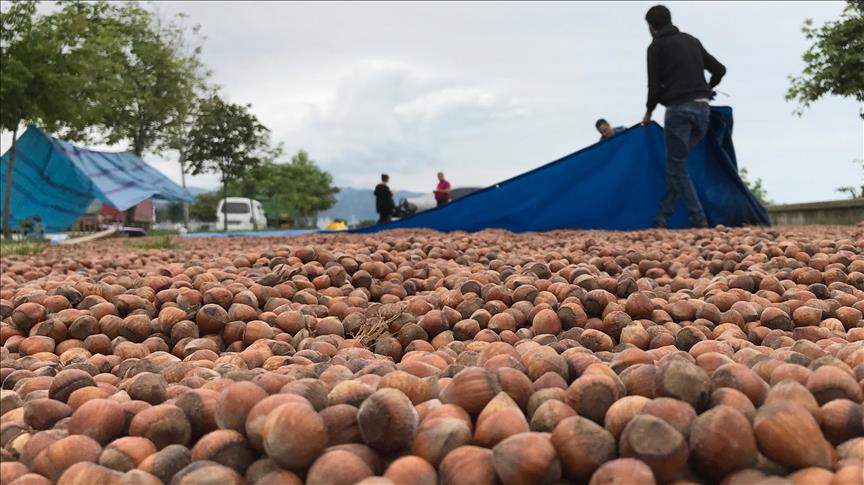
(835,60)
(854,192)
(9,247)
(161,76)
(172,212)
(95,67)
(162,232)
(53,71)
(755,187)
(163,242)
(204,207)
(299,188)
(226,139)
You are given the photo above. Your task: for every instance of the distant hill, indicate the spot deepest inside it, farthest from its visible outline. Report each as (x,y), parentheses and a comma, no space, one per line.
(355,205)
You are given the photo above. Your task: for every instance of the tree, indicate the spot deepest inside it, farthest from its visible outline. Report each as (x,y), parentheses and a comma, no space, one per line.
(854,192)
(226,139)
(299,187)
(204,207)
(312,189)
(755,187)
(54,71)
(835,63)
(162,75)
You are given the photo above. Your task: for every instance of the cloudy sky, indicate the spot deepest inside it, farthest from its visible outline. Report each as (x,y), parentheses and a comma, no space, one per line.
(485,91)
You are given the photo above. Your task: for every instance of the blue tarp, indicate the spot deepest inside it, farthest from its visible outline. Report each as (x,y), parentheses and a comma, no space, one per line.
(614,184)
(58,181)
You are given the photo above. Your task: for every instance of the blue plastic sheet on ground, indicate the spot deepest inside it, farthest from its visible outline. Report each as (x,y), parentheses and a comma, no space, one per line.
(287,232)
(58,181)
(614,184)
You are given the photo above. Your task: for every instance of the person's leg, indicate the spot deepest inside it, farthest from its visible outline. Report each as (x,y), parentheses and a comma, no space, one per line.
(697,114)
(676,132)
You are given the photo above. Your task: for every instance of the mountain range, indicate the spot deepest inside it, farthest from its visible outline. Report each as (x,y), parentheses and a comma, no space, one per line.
(355,205)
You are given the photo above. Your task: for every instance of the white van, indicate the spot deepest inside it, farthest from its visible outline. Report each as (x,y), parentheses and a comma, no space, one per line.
(243,214)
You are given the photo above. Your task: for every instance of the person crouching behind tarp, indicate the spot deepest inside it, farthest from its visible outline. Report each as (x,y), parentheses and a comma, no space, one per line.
(384,204)
(606,130)
(442,191)
(676,79)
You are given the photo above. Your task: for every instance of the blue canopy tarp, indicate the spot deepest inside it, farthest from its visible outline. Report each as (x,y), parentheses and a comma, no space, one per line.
(58,181)
(614,184)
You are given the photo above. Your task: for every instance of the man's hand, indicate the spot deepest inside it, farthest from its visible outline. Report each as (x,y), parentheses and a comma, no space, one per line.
(646,119)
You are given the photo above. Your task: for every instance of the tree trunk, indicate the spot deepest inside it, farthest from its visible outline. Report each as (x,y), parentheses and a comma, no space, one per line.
(130,212)
(183,182)
(224,203)
(7,198)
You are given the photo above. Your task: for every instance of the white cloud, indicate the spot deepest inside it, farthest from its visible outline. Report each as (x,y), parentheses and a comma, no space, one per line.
(389,116)
(488,90)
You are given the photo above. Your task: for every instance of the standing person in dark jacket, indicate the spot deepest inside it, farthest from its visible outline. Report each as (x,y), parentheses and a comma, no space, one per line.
(676,79)
(384,203)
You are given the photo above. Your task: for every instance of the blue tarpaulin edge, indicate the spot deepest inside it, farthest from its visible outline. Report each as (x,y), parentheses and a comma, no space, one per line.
(614,184)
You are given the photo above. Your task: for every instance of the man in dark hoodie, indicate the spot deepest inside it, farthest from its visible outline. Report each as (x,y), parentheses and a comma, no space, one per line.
(676,79)
(384,204)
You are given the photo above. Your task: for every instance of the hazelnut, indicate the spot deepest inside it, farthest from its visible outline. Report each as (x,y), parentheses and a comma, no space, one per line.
(226,447)
(436,437)
(722,441)
(655,442)
(258,415)
(468,465)
(591,396)
(62,454)
(387,421)
(86,473)
(526,458)
(623,470)
(338,467)
(471,389)
(789,435)
(234,404)
(68,381)
(101,419)
(294,435)
(124,454)
(582,446)
(341,423)
(163,425)
(207,472)
(165,463)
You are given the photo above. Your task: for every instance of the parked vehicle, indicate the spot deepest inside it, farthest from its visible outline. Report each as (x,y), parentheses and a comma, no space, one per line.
(243,214)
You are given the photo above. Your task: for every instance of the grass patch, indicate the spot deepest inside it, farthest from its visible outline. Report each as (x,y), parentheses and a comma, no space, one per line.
(163,232)
(163,242)
(21,248)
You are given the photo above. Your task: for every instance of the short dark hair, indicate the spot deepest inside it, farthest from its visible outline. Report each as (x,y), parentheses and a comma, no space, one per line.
(599,122)
(658,17)
(385,177)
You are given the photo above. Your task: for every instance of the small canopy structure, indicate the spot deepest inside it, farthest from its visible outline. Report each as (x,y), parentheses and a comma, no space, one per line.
(57,181)
(615,184)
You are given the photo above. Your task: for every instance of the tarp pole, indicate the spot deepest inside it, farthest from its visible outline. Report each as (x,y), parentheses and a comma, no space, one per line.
(7,198)
(183,182)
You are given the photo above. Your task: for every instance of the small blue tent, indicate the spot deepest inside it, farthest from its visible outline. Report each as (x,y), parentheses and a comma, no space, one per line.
(58,181)
(614,184)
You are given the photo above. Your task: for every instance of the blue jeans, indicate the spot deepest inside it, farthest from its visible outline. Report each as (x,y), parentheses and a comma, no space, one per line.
(685,125)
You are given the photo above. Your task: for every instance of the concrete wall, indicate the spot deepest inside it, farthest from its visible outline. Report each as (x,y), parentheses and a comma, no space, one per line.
(849,211)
